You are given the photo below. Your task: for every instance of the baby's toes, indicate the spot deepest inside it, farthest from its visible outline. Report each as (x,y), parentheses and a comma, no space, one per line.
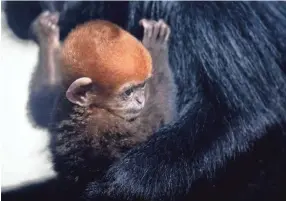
(164,31)
(49,27)
(148,31)
(54,17)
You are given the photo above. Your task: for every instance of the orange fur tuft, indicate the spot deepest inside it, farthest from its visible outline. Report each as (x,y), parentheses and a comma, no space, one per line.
(106,53)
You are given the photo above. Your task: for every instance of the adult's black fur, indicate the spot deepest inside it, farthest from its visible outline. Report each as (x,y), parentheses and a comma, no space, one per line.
(230,142)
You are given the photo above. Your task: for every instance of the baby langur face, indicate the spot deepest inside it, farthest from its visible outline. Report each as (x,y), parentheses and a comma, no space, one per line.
(129,101)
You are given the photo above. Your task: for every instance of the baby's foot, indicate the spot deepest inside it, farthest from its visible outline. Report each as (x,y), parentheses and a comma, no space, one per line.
(156,34)
(45,27)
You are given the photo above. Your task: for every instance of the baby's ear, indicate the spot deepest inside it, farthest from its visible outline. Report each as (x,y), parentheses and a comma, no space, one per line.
(77,92)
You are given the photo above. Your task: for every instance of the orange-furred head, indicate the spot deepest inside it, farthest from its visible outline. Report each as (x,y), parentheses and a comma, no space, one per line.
(106,53)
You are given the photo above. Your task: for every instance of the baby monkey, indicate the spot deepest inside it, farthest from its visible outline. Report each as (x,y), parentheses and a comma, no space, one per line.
(113,91)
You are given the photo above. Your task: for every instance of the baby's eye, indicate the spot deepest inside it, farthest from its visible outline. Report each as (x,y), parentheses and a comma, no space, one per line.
(129,92)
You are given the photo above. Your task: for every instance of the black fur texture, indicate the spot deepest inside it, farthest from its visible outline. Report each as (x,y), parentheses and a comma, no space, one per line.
(229,60)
